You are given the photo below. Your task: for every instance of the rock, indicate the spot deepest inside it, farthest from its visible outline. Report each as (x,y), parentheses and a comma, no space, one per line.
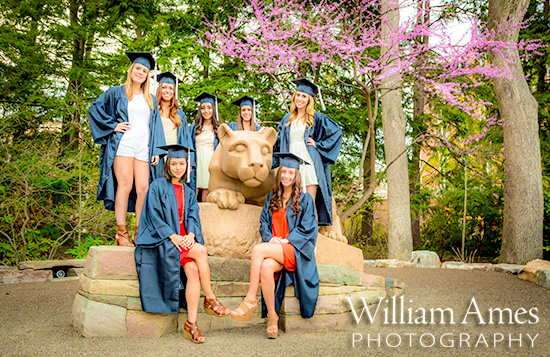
(372,280)
(370,263)
(543,278)
(531,269)
(111,262)
(143,324)
(14,276)
(331,252)
(453,265)
(75,271)
(425,259)
(230,233)
(109,287)
(121,301)
(394,263)
(508,268)
(48,264)
(229,269)
(467,266)
(335,274)
(95,319)
(334,303)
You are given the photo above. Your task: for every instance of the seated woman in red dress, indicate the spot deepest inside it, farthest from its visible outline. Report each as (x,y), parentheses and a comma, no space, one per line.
(288,226)
(171,260)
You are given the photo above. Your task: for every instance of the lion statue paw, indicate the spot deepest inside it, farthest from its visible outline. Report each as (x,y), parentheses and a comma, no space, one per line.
(225,199)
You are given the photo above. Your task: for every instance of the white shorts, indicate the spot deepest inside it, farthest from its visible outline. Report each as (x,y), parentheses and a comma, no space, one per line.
(133,149)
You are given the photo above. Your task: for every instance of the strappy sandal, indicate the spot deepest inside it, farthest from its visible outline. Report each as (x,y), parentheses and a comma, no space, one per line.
(215,307)
(191,332)
(245,310)
(272,325)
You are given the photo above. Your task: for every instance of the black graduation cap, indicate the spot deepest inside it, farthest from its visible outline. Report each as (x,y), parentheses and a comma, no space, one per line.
(245,100)
(176,151)
(144,58)
(306,86)
(168,77)
(290,160)
(208,98)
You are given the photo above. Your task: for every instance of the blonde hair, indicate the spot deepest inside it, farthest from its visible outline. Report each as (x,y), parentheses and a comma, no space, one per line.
(144,87)
(310,111)
(174,105)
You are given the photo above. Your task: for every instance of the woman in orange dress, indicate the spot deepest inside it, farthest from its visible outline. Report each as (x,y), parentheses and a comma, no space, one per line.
(288,226)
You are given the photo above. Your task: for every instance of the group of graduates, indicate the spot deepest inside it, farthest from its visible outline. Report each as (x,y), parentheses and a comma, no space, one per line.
(153,163)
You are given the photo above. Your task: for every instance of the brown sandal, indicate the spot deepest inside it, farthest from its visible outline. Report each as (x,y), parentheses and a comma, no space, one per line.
(245,310)
(191,332)
(122,237)
(272,325)
(215,307)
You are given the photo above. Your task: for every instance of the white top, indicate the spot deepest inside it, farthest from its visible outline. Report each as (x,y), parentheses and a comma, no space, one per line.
(170,131)
(139,116)
(298,147)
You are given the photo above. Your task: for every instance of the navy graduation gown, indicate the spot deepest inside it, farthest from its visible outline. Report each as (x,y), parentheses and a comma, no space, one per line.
(105,113)
(328,140)
(161,286)
(303,236)
(235,126)
(193,135)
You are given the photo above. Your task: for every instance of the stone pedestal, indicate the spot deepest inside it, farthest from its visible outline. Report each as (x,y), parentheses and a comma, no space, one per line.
(107,302)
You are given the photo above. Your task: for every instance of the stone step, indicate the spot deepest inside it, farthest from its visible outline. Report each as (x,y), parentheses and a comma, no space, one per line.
(49,264)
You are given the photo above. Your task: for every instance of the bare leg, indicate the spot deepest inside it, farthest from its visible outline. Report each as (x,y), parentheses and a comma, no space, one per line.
(141,177)
(205,192)
(124,173)
(312,190)
(198,253)
(268,269)
(259,253)
(192,290)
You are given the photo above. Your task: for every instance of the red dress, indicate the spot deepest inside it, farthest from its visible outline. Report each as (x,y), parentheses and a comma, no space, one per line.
(180,199)
(280,229)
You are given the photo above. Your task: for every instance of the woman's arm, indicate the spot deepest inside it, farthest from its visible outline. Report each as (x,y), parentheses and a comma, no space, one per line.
(327,138)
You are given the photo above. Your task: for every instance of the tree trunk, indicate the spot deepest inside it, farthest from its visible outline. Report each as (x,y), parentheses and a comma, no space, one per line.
(369,170)
(393,122)
(523,198)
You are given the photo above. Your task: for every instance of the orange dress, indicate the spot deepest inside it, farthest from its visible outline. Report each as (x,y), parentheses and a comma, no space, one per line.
(180,199)
(280,229)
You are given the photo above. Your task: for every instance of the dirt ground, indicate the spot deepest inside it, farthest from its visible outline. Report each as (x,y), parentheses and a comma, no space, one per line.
(34,321)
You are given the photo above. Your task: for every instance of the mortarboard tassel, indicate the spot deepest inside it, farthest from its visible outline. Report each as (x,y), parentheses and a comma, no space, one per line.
(217,114)
(321,99)
(176,88)
(188,165)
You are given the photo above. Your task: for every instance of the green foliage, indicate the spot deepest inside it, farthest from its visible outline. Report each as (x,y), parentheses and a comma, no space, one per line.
(80,249)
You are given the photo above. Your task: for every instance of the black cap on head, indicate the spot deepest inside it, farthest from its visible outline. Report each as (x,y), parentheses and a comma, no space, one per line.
(208,98)
(168,77)
(245,100)
(176,151)
(290,160)
(306,86)
(144,58)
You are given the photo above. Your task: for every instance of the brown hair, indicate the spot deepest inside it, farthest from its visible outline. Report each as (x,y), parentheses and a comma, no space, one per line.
(199,120)
(168,175)
(310,111)
(144,87)
(240,125)
(174,105)
(276,202)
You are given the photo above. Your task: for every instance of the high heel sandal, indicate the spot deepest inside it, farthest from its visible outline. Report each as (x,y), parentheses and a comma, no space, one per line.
(122,237)
(272,325)
(191,332)
(247,308)
(215,307)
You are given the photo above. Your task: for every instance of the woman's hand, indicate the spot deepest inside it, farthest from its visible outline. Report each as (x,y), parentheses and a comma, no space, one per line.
(310,141)
(122,127)
(284,240)
(189,240)
(276,240)
(154,160)
(261,130)
(177,240)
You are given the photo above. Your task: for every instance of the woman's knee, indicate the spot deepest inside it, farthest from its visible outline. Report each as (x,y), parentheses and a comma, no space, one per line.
(141,190)
(192,271)
(200,252)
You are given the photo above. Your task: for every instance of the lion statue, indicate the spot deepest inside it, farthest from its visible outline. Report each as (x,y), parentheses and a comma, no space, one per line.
(240,169)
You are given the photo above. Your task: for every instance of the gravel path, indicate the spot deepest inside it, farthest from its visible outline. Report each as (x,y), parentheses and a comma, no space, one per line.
(34,320)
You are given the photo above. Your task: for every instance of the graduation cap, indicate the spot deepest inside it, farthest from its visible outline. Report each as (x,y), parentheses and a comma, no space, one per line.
(170,78)
(304,85)
(246,100)
(143,58)
(178,151)
(288,159)
(209,98)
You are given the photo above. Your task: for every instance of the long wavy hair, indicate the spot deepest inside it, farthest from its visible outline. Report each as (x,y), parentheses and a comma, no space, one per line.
(240,125)
(276,202)
(310,111)
(199,120)
(174,105)
(144,87)
(168,175)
